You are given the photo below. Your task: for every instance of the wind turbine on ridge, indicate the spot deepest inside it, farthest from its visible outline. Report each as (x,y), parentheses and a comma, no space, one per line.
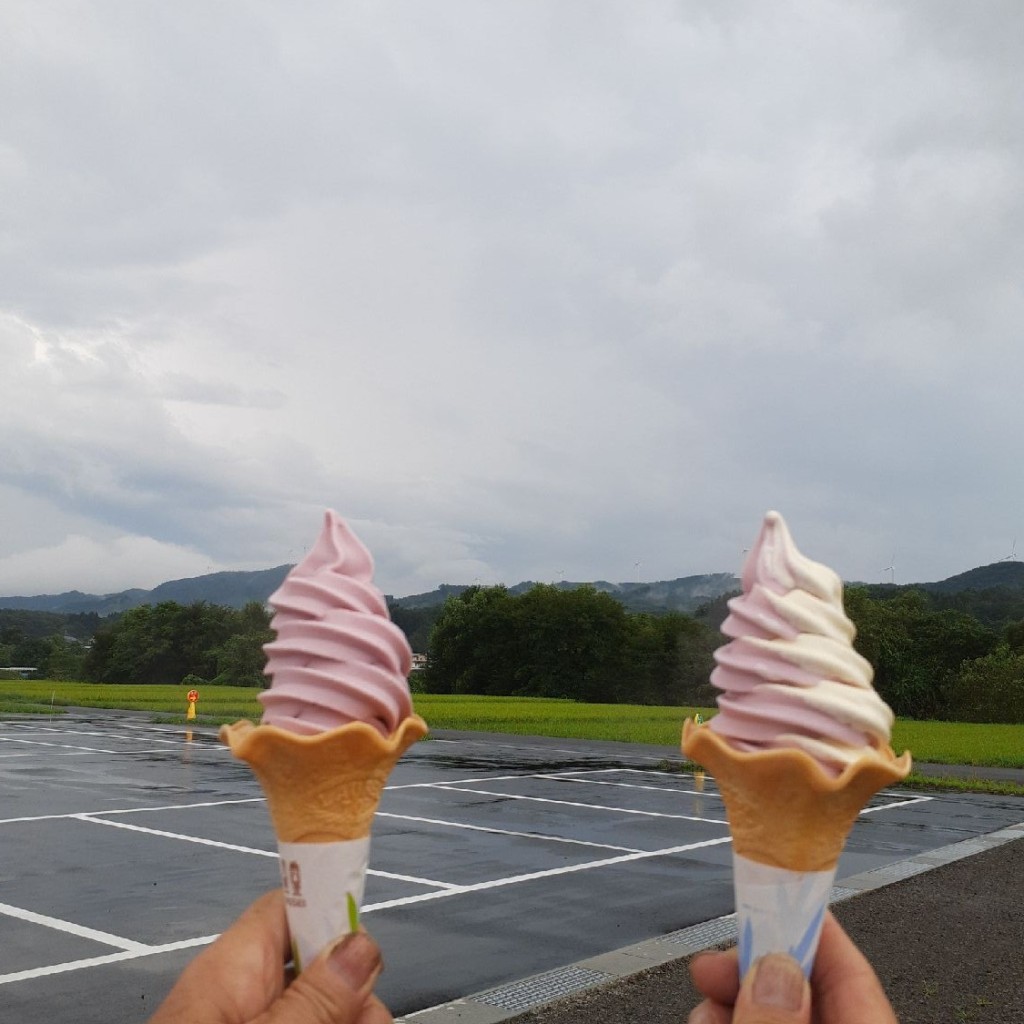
(891,568)
(1012,556)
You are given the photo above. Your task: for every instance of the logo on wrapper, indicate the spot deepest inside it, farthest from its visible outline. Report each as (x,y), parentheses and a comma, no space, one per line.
(323,887)
(291,883)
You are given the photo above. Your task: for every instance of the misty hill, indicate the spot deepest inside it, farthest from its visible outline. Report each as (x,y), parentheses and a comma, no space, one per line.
(233,589)
(686,594)
(998,574)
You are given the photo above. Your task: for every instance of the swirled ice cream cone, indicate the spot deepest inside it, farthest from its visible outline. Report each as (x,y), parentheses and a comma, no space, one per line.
(799,746)
(337,718)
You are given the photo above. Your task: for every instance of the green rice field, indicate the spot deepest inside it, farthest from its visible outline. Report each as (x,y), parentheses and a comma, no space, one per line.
(943,742)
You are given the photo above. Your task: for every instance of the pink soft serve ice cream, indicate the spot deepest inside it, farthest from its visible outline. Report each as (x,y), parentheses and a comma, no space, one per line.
(338,657)
(790,677)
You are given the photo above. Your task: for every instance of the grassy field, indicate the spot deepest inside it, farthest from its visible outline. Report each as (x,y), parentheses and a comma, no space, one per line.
(943,742)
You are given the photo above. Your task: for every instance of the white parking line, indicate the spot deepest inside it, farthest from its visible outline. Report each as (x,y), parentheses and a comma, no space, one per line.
(63,746)
(898,803)
(175,835)
(590,807)
(132,810)
(628,785)
(110,958)
(413,879)
(143,738)
(441,783)
(507,832)
(234,848)
(532,876)
(72,929)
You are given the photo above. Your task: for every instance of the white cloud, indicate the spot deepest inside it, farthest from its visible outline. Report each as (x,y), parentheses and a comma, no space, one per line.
(104,566)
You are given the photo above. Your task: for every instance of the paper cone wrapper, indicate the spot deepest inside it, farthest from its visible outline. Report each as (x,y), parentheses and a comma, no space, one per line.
(789,821)
(779,911)
(322,793)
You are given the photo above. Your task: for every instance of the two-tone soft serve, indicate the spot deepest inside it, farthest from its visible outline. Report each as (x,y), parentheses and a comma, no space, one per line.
(789,676)
(338,657)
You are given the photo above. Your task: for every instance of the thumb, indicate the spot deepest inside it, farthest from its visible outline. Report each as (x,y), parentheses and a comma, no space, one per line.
(775,991)
(334,988)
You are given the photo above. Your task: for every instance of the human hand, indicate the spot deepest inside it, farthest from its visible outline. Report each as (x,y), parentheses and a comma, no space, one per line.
(843,990)
(241,978)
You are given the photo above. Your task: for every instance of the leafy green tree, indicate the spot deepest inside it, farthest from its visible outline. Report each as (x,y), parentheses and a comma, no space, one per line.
(11,635)
(240,660)
(471,645)
(31,651)
(416,623)
(579,643)
(916,652)
(65,661)
(163,643)
(1013,636)
(990,689)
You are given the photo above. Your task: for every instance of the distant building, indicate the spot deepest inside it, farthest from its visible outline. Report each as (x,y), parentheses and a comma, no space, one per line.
(419,661)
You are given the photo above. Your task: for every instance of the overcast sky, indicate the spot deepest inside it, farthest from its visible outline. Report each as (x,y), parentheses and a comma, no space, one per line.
(524,290)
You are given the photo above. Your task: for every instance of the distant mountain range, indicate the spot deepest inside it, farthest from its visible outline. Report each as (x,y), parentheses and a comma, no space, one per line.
(234,589)
(686,594)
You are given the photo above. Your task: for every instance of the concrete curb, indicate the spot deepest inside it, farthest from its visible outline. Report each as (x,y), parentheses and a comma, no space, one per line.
(506,1001)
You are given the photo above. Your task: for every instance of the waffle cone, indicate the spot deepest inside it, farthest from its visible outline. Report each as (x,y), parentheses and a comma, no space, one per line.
(784,809)
(323,788)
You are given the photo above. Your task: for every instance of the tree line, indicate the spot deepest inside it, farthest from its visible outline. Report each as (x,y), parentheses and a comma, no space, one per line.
(932,658)
(175,643)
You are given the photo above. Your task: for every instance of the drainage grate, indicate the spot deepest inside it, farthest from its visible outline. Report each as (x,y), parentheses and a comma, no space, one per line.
(840,893)
(701,936)
(542,989)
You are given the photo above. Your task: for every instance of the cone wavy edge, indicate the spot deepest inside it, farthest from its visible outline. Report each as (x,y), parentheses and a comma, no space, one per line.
(784,809)
(324,787)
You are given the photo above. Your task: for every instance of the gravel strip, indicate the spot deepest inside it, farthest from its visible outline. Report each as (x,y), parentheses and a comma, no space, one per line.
(948,946)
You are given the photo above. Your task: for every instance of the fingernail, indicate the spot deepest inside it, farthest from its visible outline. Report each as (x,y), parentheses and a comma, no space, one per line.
(701,1014)
(778,983)
(356,958)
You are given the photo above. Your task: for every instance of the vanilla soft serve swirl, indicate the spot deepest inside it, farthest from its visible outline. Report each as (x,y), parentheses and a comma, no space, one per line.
(338,657)
(790,676)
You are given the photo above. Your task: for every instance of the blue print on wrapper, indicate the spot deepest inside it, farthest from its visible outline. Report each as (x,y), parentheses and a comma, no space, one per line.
(802,952)
(746,947)
(805,948)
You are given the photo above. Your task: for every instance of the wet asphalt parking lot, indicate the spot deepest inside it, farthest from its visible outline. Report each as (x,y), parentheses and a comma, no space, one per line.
(125,848)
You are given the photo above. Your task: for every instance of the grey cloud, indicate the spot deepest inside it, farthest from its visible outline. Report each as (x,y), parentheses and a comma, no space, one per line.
(522,287)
